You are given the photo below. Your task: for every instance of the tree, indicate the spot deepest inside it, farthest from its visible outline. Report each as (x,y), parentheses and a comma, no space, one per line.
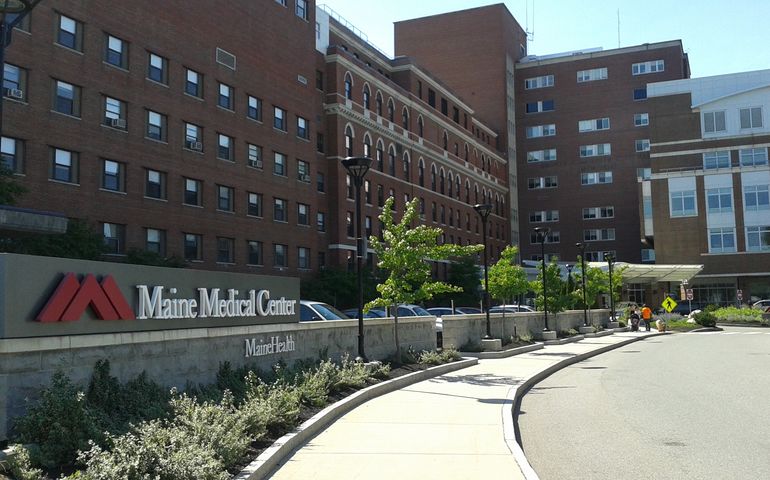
(80,241)
(597,282)
(558,300)
(507,279)
(405,253)
(338,287)
(10,190)
(463,273)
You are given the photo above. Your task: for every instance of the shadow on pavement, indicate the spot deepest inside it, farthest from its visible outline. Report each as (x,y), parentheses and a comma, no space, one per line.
(484,379)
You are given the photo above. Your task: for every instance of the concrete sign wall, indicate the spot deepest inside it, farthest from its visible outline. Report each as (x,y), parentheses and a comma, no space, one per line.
(46,296)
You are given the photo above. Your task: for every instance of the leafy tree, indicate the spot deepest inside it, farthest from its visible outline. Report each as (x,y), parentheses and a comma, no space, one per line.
(338,287)
(558,298)
(463,273)
(10,189)
(405,254)
(597,281)
(507,279)
(80,241)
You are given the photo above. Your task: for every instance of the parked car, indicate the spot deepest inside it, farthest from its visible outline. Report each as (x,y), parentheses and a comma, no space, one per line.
(412,311)
(373,313)
(763,305)
(441,311)
(511,309)
(468,310)
(310,311)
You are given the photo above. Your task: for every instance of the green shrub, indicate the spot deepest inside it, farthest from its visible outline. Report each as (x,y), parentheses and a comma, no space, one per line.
(739,315)
(60,424)
(525,337)
(274,408)
(352,374)
(431,358)
(315,385)
(19,466)
(567,333)
(706,319)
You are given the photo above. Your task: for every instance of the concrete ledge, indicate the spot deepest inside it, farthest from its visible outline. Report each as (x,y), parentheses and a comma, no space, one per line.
(621,329)
(603,333)
(546,335)
(513,400)
(503,353)
(706,329)
(757,325)
(272,457)
(562,341)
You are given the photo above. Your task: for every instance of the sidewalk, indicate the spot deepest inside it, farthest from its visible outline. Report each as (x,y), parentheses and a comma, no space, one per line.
(454,426)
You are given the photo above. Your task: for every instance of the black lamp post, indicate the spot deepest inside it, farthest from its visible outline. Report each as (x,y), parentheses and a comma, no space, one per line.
(569,278)
(484,209)
(12,12)
(610,259)
(542,234)
(582,247)
(357,168)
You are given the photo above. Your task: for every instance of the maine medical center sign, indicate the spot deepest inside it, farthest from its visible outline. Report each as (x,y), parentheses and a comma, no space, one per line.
(44,296)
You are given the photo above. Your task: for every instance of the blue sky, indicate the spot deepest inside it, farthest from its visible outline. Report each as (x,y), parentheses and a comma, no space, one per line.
(720,37)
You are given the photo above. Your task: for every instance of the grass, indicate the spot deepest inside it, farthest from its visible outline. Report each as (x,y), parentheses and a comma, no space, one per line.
(681,326)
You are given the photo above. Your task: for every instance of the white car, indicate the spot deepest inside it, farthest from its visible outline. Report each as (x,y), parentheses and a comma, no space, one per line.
(310,311)
(763,305)
(511,309)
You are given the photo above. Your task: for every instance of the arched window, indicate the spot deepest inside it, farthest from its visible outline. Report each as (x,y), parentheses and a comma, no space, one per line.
(483,163)
(405,118)
(391,110)
(441,182)
(420,127)
(421,173)
(451,218)
(467,192)
(446,140)
(476,194)
(433,177)
(466,152)
(457,189)
(366,97)
(348,141)
(407,167)
(367,146)
(392,161)
(378,154)
(378,103)
(348,86)
(450,185)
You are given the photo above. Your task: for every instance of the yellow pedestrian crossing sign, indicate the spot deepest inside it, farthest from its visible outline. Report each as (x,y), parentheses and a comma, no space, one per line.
(669,304)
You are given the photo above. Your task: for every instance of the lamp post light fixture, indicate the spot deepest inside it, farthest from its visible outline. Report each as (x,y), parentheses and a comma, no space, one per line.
(569,277)
(582,247)
(357,168)
(484,209)
(610,260)
(542,234)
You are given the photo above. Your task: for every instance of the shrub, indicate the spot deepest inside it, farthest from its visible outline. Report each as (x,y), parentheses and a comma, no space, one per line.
(525,337)
(431,358)
(19,466)
(352,374)
(273,408)
(315,385)
(707,319)
(567,333)
(738,315)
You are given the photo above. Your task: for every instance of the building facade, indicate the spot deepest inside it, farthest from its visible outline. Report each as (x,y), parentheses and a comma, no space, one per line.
(706,200)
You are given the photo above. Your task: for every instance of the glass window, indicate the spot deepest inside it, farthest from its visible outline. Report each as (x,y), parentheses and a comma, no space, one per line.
(193,135)
(640,93)
(156,69)
(155,185)
(303,214)
(155,241)
(714,122)
(14,82)
(321,182)
(156,126)
(279,210)
(301,9)
(714,160)
(594,124)
(719,200)
(69,33)
(113,176)
(303,258)
(225,250)
(303,171)
(254,155)
(225,147)
(756,197)
(225,98)
(193,247)
(114,238)
(192,192)
(641,119)
(321,221)
(279,118)
(751,117)
(758,239)
(255,252)
(225,198)
(302,128)
(279,165)
(592,75)
(280,255)
(67,98)
(721,240)
(193,83)
(642,145)
(654,66)
(64,167)
(683,204)
(254,110)
(595,178)
(117,52)
(114,113)
(751,157)
(254,204)
(539,82)
(11,150)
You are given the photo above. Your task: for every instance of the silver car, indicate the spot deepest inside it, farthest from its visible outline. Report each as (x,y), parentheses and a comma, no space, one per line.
(310,311)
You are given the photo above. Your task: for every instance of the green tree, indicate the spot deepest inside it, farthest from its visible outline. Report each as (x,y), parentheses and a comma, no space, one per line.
(405,253)
(597,282)
(558,298)
(10,190)
(80,241)
(507,279)
(338,287)
(463,273)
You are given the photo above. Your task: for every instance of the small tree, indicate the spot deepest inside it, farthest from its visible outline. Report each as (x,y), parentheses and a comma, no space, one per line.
(597,282)
(10,189)
(507,279)
(557,299)
(405,253)
(464,273)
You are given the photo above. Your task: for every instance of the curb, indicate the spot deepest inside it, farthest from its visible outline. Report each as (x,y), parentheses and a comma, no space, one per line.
(562,341)
(603,333)
(706,329)
(281,448)
(503,353)
(513,401)
(753,325)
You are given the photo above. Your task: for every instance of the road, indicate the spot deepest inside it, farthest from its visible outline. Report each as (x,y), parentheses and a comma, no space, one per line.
(683,406)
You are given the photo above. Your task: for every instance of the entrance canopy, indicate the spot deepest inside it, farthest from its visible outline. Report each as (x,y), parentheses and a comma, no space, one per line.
(652,273)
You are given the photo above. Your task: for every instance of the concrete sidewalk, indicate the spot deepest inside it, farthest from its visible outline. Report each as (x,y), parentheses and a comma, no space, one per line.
(454,426)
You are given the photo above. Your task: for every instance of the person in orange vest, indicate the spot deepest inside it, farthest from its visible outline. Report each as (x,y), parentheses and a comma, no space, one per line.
(646,316)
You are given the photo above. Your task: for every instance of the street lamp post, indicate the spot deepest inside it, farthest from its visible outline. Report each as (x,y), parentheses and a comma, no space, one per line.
(610,259)
(569,277)
(357,168)
(542,234)
(484,209)
(582,247)
(12,12)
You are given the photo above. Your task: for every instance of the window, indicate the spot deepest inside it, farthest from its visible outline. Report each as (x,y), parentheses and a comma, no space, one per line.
(642,145)
(320,182)
(594,125)
(544,216)
(156,126)
(280,255)
(599,150)
(751,117)
(758,239)
(599,256)
(279,164)
(254,206)
(592,213)
(253,155)
(279,210)
(279,118)
(405,119)
(117,52)
(752,157)
(719,159)
(303,214)
(225,147)
(225,250)
(594,178)
(157,69)
(193,84)
(719,200)
(444,106)
(255,252)
(11,153)
(114,113)
(303,171)
(431,98)
(192,247)
(366,98)
(192,192)
(378,103)
(70,33)
(548,155)
(654,66)
(367,226)
(319,142)
(644,173)
(282,2)
(225,97)
(225,198)
(254,109)
(598,234)
(66,98)
(640,93)
(302,128)
(64,166)
(367,192)
(682,203)
(543,106)
(721,240)
(538,82)
(541,131)
(113,176)
(348,87)
(193,136)
(155,241)
(552,237)
(320,219)
(641,119)
(303,257)
(114,238)
(155,184)
(714,122)
(591,75)
(14,82)
(301,9)
(756,197)
(392,161)
(543,182)
(380,196)
(391,110)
